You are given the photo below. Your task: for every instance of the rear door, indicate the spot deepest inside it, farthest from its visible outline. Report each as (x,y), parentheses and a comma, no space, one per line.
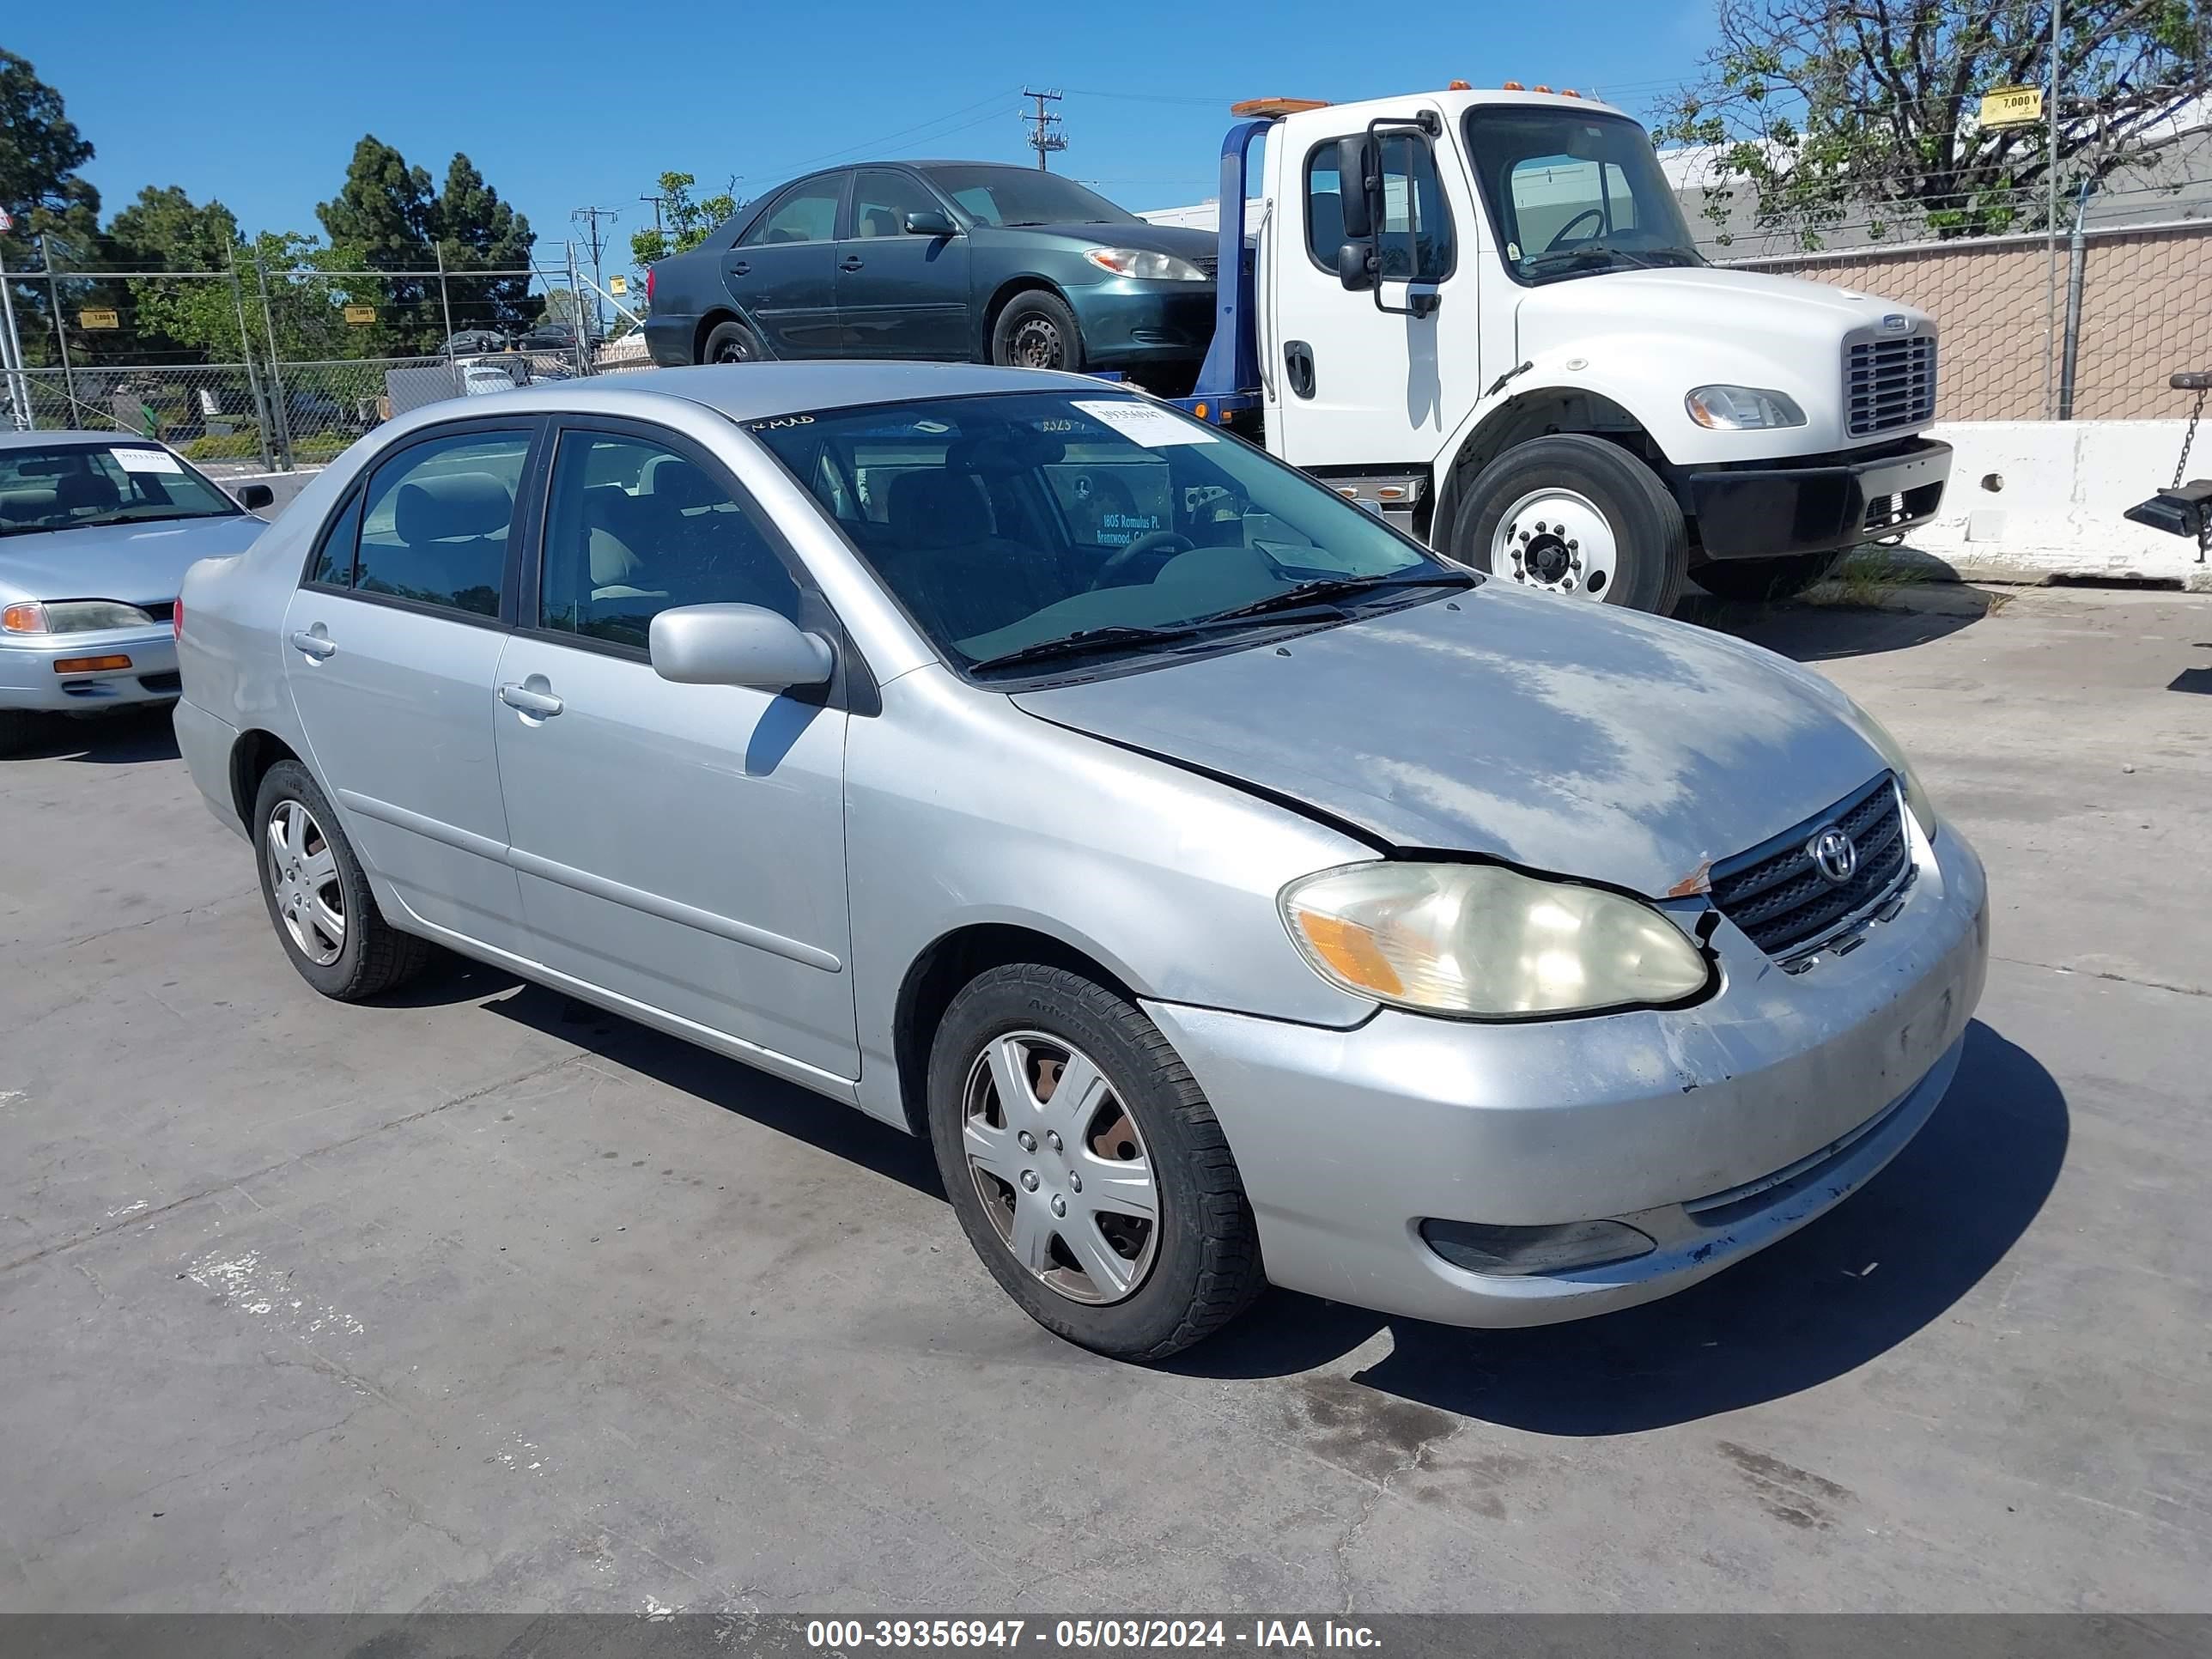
(391,648)
(782,273)
(681,846)
(900,296)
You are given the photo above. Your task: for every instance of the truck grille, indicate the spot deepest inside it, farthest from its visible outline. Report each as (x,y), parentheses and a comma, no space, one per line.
(1890,384)
(1779,898)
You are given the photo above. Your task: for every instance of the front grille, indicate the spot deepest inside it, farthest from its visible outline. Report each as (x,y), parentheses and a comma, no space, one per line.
(1890,384)
(1781,901)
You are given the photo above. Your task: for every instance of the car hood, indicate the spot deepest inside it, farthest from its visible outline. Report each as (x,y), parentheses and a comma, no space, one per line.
(1570,738)
(1773,313)
(135,564)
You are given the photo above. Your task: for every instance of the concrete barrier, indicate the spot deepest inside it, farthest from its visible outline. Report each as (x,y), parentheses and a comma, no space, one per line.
(2032,500)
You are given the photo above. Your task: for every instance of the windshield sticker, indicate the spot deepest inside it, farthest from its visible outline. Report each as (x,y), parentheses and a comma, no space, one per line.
(147,460)
(1142,423)
(781,422)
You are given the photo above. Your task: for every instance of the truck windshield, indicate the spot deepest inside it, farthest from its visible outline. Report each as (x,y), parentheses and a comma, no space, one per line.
(1574,194)
(1088,531)
(1025,196)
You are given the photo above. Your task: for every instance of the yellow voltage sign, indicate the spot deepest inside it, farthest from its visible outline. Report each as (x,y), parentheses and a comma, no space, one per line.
(361,315)
(98,319)
(617,286)
(2012,107)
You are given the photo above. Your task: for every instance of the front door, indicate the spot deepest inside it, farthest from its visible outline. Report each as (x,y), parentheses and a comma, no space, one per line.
(783,273)
(1354,383)
(899,294)
(681,846)
(391,647)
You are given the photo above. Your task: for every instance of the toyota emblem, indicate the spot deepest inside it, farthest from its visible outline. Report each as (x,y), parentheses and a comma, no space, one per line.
(1833,855)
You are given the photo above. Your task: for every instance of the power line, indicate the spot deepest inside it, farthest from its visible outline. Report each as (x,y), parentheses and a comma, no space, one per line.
(1044,135)
(589,217)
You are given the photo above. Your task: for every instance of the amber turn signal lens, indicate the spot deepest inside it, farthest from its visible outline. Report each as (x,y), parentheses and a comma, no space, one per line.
(89,664)
(24,619)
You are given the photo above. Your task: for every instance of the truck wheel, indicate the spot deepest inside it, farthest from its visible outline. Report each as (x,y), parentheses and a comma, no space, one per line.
(1768,579)
(1085,1166)
(731,343)
(1573,515)
(1038,330)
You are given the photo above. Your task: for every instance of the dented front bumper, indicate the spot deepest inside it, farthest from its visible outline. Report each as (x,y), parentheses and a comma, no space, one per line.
(1712,1130)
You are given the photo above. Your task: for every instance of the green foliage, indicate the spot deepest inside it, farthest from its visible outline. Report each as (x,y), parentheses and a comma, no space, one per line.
(40,151)
(683,222)
(1829,113)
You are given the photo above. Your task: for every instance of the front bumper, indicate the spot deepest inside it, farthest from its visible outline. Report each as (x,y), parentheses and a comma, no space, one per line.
(1715,1130)
(1125,322)
(1760,512)
(28,680)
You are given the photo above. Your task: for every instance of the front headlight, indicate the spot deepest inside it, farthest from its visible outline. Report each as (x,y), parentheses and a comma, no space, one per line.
(1893,753)
(1480,939)
(1148,267)
(72,617)
(1742,408)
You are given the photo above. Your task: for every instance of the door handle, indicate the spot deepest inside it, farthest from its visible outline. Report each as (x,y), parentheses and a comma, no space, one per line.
(741,268)
(1299,366)
(544,704)
(317,646)
(850,262)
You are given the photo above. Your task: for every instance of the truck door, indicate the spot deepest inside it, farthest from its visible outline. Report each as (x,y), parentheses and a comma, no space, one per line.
(1359,380)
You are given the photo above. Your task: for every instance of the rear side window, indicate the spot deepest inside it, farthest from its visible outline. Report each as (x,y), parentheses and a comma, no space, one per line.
(435,521)
(806,213)
(333,565)
(1416,243)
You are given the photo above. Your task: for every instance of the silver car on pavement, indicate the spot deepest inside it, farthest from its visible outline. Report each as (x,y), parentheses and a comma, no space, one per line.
(1232,891)
(97,530)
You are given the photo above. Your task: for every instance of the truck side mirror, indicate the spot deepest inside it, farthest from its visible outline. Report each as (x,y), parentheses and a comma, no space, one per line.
(1355,265)
(1359,184)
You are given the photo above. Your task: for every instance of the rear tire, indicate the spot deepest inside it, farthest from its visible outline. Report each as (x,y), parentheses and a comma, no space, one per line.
(731,343)
(1139,1127)
(1036,329)
(318,898)
(1768,579)
(1625,542)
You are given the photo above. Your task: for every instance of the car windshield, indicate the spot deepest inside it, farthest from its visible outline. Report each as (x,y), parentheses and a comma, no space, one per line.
(69,486)
(1575,195)
(1033,528)
(1025,196)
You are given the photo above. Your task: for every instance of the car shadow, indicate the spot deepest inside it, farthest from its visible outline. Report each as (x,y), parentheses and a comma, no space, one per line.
(1816,1306)
(124,738)
(1822,632)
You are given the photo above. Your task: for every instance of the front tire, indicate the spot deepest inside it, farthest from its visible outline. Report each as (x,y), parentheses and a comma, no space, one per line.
(1578,516)
(318,898)
(1085,1166)
(731,343)
(1036,329)
(1768,579)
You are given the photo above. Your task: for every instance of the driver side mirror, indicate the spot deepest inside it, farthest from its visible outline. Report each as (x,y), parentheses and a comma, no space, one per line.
(253,498)
(737,645)
(1359,185)
(931,222)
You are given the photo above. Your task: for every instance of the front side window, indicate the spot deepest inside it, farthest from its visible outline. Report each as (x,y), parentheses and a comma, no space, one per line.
(1415,243)
(72,486)
(1575,195)
(636,528)
(882,199)
(806,213)
(1104,525)
(435,521)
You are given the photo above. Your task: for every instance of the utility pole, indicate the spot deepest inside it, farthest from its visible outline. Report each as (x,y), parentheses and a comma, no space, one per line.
(589,217)
(1044,128)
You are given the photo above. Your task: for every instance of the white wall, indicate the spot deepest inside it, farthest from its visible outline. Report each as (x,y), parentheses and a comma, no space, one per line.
(2064,486)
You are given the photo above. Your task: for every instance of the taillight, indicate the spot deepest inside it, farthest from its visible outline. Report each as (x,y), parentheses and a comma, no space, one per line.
(177,620)
(649,285)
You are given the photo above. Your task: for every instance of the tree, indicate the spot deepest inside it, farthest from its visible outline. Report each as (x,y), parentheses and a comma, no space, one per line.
(194,317)
(40,151)
(384,216)
(682,223)
(476,231)
(1867,112)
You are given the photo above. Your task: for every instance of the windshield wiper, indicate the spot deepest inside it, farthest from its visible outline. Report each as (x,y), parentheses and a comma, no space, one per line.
(1568,259)
(1328,589)
(126,517)
(1082,642)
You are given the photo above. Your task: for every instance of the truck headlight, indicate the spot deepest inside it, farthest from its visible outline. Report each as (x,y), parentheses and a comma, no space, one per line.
(1742,408)
(72,617)
(1145,266)
(1480,939)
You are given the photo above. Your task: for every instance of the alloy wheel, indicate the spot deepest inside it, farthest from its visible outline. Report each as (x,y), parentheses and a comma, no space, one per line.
(303,882)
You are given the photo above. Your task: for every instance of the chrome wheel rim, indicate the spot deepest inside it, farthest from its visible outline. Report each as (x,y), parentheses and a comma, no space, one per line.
(1036,343)
(1061,1167)
(1557,540)
(304,885)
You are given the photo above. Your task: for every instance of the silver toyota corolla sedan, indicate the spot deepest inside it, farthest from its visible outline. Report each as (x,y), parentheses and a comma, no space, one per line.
(1229,888)
(97,532)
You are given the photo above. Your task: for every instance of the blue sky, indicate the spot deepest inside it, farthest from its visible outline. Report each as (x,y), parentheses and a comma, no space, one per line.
(563,104)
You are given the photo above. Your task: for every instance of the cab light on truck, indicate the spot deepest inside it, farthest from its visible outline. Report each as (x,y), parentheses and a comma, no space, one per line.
(1742,409)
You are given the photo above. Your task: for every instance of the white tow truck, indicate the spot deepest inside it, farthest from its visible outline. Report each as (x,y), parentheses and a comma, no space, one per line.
(1481,313)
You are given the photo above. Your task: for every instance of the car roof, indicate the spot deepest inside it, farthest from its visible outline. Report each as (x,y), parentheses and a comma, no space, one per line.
(51,436)
(750,391)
